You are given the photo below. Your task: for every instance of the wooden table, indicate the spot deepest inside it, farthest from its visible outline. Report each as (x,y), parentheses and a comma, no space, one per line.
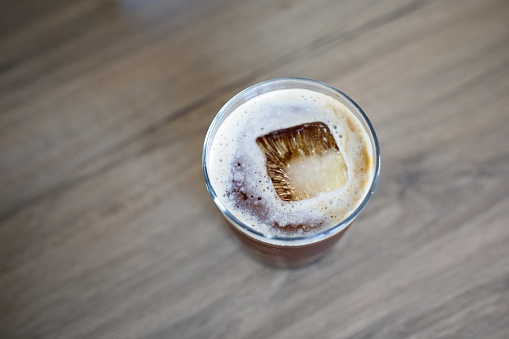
(107,229)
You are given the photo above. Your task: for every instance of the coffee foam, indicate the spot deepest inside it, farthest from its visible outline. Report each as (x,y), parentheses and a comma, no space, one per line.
(237,172)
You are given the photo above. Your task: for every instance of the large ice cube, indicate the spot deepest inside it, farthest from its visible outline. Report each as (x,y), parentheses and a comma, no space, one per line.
(303,161)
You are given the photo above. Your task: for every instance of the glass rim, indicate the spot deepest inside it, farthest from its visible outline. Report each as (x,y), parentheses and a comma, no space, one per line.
(289,239)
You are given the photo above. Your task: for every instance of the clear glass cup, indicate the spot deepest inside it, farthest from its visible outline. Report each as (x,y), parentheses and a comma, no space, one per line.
(287,251)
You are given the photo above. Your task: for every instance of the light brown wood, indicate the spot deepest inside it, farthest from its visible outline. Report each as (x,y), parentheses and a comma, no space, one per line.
(107,229)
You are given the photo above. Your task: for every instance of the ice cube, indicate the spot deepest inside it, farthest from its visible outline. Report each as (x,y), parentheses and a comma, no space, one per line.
(303,161)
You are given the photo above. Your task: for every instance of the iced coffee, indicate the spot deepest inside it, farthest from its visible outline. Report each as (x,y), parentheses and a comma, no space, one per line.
(290,163)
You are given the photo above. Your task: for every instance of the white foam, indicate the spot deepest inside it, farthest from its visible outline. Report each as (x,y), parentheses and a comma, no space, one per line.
(235,142)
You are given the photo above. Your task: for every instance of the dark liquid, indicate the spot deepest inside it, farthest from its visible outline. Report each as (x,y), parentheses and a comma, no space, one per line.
(287,256)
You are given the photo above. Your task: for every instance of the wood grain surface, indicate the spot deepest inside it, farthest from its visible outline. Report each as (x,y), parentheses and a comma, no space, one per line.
(107,229)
